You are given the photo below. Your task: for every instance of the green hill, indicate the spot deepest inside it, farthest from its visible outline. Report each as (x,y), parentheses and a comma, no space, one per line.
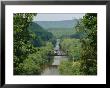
(41,35)
(58,24)
(60,32)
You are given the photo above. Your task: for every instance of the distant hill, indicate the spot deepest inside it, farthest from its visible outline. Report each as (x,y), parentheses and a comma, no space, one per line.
(57,24)
(59,32)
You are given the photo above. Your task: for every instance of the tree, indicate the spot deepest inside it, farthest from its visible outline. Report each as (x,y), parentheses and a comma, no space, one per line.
(22,37)
(28,58)
(89,44)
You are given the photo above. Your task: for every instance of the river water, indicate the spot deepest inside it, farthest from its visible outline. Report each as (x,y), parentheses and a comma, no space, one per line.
(53,68)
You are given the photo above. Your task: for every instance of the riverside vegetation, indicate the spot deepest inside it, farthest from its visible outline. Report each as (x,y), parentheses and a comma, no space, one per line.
(33,45)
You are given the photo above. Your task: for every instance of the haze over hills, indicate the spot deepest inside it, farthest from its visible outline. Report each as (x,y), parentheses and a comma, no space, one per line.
(57,24)
(57,28)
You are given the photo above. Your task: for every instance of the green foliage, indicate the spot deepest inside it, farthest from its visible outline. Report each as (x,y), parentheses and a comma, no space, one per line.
(22,45)
(83,51)
(33,46)
(70,68)
(21,34)
(34,62)
(41,35)
(28,59)
(71,47)
(30,67)
(88,26)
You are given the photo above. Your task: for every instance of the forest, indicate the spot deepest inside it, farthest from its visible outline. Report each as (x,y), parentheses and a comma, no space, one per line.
(33,49)
(82,51)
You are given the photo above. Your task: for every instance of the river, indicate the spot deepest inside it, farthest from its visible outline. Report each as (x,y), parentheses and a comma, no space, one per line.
(53,68)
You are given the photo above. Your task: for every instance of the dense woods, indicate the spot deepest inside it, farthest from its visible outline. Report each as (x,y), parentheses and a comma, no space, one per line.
(31,47)
(82,51)
(42,35)
(34,45)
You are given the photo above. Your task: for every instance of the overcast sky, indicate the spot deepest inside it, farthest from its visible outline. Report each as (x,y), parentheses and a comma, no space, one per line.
(57,16)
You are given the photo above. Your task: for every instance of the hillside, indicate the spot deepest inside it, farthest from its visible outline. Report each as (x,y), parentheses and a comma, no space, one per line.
(41,35)
(60,32)
(58,24)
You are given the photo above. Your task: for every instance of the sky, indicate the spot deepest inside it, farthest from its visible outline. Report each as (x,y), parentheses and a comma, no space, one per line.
(57,16)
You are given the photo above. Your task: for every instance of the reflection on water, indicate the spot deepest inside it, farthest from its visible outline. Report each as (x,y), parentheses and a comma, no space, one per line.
(53,69)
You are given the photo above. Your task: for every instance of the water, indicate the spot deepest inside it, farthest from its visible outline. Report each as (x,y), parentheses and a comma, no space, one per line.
(53,68)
